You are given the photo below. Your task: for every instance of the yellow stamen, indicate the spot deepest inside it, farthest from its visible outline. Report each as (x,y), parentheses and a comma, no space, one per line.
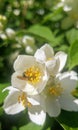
(55,90)
(23,99)
(32,74)
(49,58)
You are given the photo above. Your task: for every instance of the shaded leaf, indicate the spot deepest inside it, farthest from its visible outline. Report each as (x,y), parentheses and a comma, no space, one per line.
(55,15)
(31,126)
(13,121)
(3,94)
(73,55)
(69,119)
(68,128)
(44,32)
(72,35)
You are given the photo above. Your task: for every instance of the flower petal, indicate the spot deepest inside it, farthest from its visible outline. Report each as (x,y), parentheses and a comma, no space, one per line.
(29,87)
(44,78)
(44,53)
(37,100)
(33,101)
(48,50)
(10,88)
(40,85)
(62,57)
(68,81)
(53,66)
(22,62)
(40,55)
(37,115)
(68,102)
(30,90)
(11,105)
(52,106)
(16,82)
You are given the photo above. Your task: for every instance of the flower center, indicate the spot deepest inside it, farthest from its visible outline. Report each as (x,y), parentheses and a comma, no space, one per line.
(32,74)
(23,99)
(49,59)
(55,90)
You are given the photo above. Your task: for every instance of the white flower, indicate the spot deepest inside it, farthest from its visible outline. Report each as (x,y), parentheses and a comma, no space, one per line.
(54,63)
(29,76)
(3,36)
(17,101)
(29,44)
(2,18)
(16,12)
(71,8)
(10,33)
(28,80)
(27,3)
(57,94)
(68,82)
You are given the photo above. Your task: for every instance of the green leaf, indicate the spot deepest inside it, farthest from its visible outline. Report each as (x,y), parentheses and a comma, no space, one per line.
(46,126)
(55,15)
(75,92)
(73,55)
(68,120)
(13,128)
(72,35)
(3,94)
(68,128)
(31,126)
(48,129)
(44,32)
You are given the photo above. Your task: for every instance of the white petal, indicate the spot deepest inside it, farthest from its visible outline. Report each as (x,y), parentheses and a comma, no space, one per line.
(29,87)
(30,90)
(37,115)
(37,100)
(44,53)
(42,83)
(48,50)
(76,101)
(40,55)
(16,82)
(68,102)
(38,87)
(68,81)
(10,88)
(52,106)
(53,66)
(22,62)
(11,105)
(62,57)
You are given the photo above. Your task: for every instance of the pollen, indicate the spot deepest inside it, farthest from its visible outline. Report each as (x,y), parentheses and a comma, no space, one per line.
(33,74)
(56,90)
(23,100)
(48,59)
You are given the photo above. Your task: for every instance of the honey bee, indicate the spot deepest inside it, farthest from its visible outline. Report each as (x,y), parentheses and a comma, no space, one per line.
(24,77)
